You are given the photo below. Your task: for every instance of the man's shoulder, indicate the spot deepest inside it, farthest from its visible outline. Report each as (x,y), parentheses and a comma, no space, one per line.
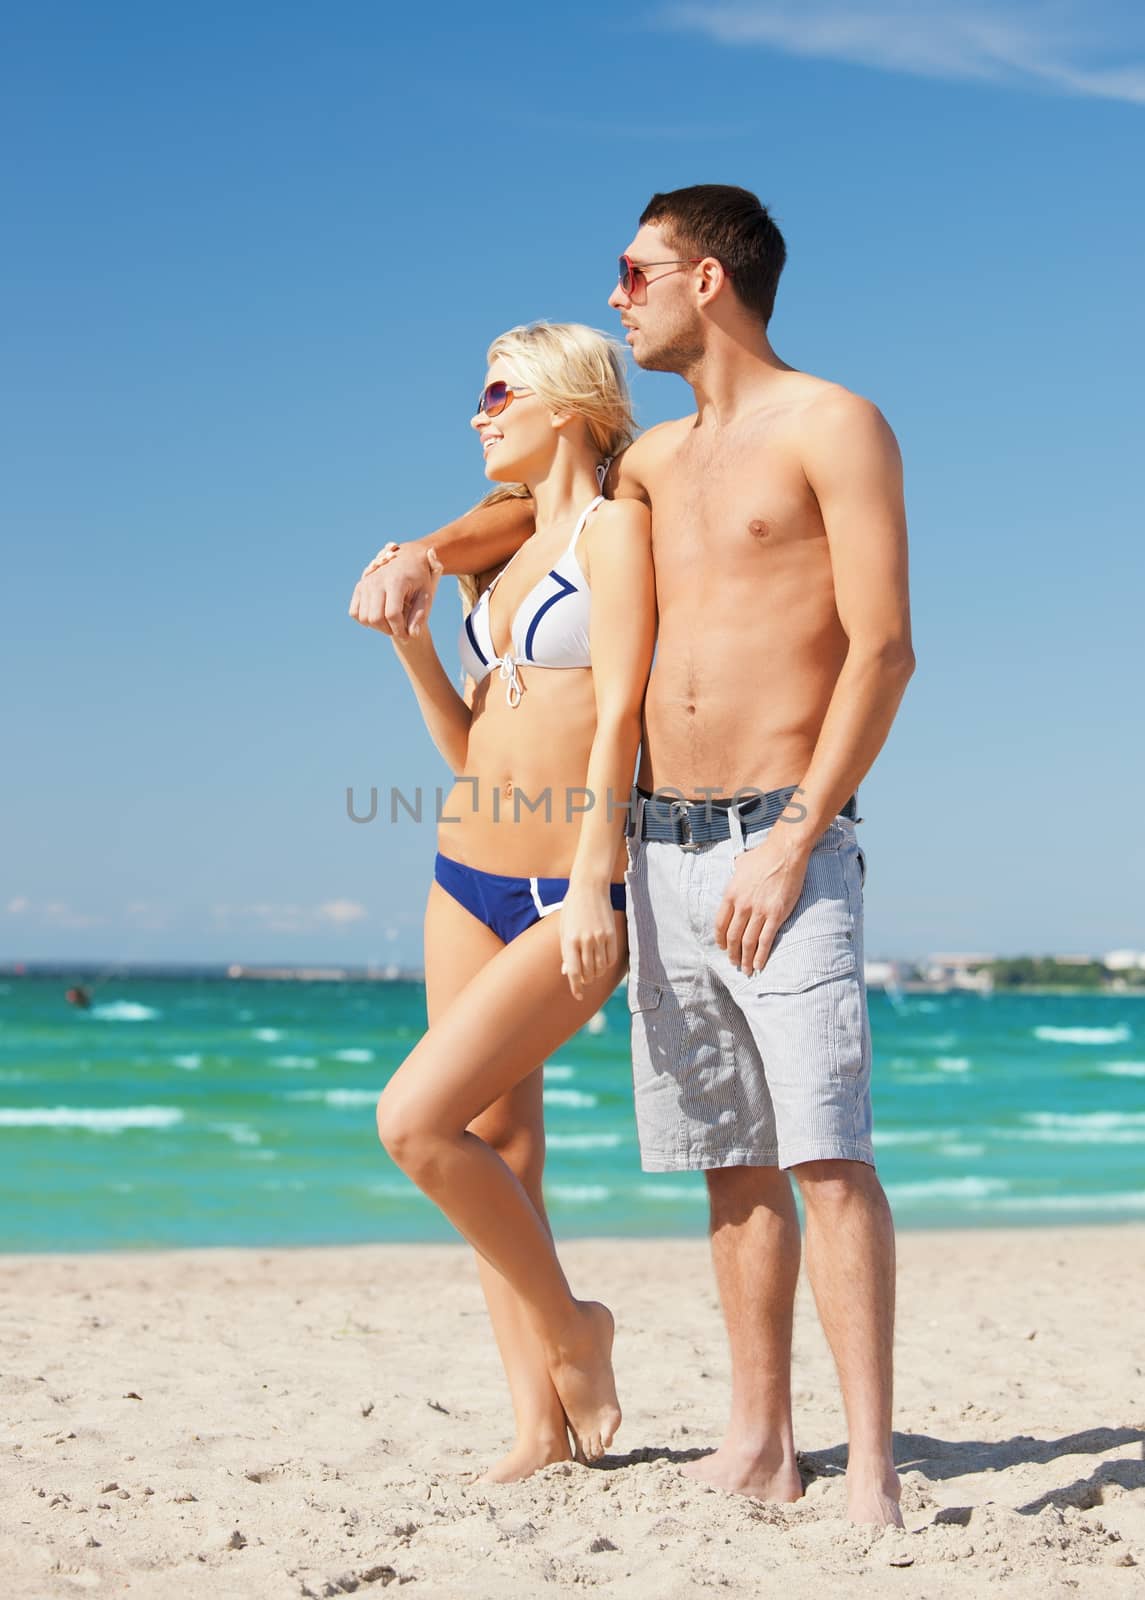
(636,467)
(842,434)
(660,437)
(825,406)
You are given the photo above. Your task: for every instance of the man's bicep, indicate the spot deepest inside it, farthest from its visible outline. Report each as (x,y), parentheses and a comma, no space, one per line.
(855,470)
(624,480)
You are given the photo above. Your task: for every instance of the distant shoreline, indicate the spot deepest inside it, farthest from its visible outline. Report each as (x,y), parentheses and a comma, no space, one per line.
(81,972)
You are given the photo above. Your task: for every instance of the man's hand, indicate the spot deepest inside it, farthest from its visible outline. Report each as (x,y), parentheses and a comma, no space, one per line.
(395,592)
(765,884)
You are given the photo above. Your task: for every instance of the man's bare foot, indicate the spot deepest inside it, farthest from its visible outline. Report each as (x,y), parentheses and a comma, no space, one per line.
(582,1375)
(762,1475)
(526,1457)
(873,1495)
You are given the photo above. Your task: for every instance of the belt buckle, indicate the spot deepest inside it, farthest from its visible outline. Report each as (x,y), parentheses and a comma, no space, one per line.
(683,813)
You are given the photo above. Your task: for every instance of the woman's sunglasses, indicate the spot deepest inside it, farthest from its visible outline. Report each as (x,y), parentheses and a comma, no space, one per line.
(631,273)
(496,396)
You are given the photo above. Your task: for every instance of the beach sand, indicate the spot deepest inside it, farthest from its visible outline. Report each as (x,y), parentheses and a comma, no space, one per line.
(256,1423)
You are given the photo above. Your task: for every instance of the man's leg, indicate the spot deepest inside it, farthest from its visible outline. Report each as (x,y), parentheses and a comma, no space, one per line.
(755,1250)
(851,1265)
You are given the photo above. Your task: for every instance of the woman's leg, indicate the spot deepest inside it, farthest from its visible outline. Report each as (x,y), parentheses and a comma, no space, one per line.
(509,1017)
(513,1127)
(457,945)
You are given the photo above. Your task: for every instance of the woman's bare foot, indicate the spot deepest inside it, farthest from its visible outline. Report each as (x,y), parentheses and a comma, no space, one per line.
(526,1457)
(582,1375)
(873,1494)
(762,1475)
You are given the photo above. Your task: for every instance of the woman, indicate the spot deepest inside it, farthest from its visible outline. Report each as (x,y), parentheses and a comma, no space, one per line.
(524,929)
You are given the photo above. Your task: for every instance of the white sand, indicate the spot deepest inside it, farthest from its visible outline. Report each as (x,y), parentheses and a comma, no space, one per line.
(277,1424)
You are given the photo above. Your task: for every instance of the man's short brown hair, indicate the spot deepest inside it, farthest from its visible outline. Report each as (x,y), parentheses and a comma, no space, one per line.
(731,224)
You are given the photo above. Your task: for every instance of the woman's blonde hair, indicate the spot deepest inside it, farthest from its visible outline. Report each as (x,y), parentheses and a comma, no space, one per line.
(572,368)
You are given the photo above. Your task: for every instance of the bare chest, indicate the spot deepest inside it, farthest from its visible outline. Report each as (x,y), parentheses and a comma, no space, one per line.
(732,500)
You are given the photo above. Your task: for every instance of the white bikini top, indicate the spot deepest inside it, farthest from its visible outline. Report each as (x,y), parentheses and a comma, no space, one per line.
(549,630)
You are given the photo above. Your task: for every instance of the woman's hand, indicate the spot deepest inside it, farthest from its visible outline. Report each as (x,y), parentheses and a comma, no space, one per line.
(588,936)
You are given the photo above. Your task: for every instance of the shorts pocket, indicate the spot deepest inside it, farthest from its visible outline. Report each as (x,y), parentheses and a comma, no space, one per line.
(850,1046)
(862,867)
(643,996)
(792,968)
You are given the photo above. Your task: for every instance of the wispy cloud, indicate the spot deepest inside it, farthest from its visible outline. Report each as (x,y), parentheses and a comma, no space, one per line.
(51,913)
(288,918)
(342,911)
(145,914)
(1098,50)
(59,914)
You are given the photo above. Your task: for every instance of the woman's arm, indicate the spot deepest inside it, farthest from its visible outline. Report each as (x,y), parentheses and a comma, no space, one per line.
(622,637)
(447,717)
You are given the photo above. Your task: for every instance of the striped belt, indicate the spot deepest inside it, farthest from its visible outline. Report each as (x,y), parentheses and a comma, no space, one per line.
(697,822)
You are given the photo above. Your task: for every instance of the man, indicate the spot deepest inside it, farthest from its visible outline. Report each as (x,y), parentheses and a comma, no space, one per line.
(784,650)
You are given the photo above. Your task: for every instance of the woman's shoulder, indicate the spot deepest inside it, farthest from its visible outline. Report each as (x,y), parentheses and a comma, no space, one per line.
(620,519)
(618,540)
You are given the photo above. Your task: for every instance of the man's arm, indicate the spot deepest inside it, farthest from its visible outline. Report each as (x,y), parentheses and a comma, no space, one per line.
(395,598)
(625,479)
(852,463)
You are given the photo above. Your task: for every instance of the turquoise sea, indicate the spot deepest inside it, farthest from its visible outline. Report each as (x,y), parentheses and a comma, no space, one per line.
(204,1112)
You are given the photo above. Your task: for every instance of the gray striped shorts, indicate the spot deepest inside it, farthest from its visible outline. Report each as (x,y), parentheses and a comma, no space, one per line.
(736,1071)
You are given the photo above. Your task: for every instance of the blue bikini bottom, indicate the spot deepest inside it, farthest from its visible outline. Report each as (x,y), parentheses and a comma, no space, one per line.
(507,905)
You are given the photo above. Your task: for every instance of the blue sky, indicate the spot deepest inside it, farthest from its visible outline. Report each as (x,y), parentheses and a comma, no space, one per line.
(254,256)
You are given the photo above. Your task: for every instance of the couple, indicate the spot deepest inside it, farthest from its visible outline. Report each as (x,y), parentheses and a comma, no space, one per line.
(759,545)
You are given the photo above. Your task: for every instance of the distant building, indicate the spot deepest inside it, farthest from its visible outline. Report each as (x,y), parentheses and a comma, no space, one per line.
(1124,960)
(882,974)
(960,972)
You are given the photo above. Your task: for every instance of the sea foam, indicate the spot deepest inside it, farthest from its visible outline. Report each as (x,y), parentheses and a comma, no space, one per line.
(583,1141)
(1052,1035)
(573,1098)
(123,1011)
(947,1189)
(92,1119)
(1130,1200)
(1086,1119)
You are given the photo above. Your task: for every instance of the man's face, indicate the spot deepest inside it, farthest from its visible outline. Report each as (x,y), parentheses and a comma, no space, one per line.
(663,325)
